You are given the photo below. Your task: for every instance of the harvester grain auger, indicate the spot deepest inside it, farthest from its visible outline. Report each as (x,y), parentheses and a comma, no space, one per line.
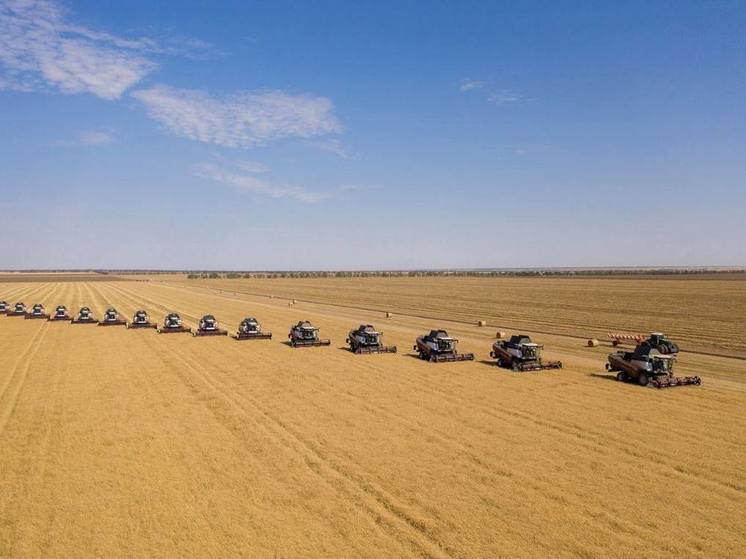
(250,329)
(3,307)
(112,318)
(37,312)
(141,320)
(19,309)
(647,366)
(365,339)
(439,347)
(208,326)
(521,354)
(172,325)
(304,334)
(60,313)
(85,316)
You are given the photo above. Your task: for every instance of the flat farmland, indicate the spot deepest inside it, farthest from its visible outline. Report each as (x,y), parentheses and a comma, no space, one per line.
(702,313)
(130,443)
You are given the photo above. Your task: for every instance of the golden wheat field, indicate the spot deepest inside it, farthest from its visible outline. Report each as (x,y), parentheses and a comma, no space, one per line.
(128,443)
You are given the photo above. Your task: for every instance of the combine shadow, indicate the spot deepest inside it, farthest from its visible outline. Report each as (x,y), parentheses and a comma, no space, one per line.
(606,376)
(488,363)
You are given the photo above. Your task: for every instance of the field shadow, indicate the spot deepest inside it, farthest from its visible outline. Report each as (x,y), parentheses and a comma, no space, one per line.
(488,362)
(606,376)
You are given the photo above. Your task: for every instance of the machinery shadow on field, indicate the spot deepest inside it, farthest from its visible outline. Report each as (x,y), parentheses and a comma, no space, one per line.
(489,362)
(606,376)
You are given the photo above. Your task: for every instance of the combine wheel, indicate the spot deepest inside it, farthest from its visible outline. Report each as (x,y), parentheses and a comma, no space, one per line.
(621,376)
(498,362)
(643,379)
(515,366)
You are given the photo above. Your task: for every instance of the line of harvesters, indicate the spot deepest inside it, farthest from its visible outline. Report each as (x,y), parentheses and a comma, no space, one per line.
(650,363)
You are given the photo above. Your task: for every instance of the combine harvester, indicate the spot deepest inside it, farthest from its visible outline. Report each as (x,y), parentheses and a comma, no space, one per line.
(521,354)
(172,325)
(656,340)
(250,329)
(208,326)
(141,320)
(304,334)
(3,307)
(365,339)
(60,313)
(37,312)
(646,365)
(439,347)
(85,316)
(111,318)
(18,310)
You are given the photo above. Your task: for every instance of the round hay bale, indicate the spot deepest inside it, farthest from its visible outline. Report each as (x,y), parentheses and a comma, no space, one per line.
(295,301)
(482,323)
(389,315)
(500,335)
(593,342)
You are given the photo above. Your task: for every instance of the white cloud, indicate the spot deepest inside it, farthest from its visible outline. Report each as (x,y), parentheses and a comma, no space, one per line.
(334,146)
(505,96)
(251,183)
(253,167)
(39,48)
(88,138)
(468,84)
(243,119)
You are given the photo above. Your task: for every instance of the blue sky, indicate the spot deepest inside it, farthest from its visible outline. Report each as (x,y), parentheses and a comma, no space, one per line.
(333,135)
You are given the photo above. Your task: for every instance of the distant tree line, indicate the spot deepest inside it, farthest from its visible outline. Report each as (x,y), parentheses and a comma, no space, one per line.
(461,273)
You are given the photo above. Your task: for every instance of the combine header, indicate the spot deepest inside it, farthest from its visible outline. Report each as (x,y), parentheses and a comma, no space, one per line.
(439,347)
(304,334)
(521,354)
(250,329)
(647,366)
(111,318)
(172,325)
(141,320)
(208,326)
(37,311)
(365,339)
(60,313)
(19,309)
(85,316)
(3,307)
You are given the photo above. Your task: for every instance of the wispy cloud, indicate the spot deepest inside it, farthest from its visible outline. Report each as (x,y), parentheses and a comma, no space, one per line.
(505,96)
(244,119)
(39,48)
(252,183)
(88,138)
(334,146)
(469,84)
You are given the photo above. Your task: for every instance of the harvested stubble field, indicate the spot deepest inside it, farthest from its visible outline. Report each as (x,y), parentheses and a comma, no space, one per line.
(127,443)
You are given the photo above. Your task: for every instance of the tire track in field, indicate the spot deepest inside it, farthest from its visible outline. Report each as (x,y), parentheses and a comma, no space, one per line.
(18,376)
(378,504)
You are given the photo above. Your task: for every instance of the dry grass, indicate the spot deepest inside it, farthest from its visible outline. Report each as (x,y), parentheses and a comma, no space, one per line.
(126,443)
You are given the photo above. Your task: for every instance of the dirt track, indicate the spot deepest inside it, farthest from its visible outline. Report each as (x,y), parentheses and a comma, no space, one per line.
(119,442)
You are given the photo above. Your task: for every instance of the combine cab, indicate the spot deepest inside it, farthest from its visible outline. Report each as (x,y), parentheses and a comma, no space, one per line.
(521,354)
(304,334)
(365,339)
(3,307)
(37,311)
(141,320)
(172,325)
(439,347)
(250,329)
(208,326)
(85,316)
(647,366)
(60,313)
(111,318)
(19,309)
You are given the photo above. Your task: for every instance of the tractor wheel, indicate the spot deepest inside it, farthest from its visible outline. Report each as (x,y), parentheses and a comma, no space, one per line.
(664,349)
(643,379)
(621,376)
